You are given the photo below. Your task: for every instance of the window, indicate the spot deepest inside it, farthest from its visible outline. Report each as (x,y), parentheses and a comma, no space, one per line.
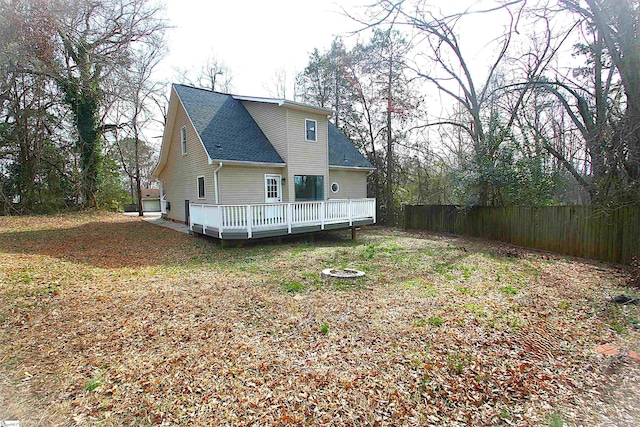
(310,128)
(309,187)
(201,194)
(183,139)
(335,187)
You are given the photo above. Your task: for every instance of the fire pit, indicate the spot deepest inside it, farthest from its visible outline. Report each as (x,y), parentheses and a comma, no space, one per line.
(341,273)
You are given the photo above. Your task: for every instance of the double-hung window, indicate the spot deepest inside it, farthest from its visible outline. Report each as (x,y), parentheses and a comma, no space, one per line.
(201,193)
(311,127)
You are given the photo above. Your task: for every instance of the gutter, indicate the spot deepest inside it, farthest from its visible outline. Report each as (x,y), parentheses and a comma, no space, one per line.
(352,168)
(215,183)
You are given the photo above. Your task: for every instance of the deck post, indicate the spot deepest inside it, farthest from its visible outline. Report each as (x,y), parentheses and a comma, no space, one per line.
(350,217)
(353,233)
(374,210)
(221,217)
(249,217)
(289,217)
(321,215)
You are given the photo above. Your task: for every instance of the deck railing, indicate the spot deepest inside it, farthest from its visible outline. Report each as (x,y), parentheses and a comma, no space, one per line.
(285,216)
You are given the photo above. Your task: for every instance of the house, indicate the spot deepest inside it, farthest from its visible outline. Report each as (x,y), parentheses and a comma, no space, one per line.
(238,167)
(150,199)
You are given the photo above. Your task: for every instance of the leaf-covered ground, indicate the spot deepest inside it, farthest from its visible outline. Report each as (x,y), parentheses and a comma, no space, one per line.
(109,320)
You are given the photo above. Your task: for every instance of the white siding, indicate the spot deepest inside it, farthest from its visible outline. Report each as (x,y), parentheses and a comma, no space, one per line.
(244,185)
(181,172)
(285,129)
(353,184)
(307,158)
(272,119)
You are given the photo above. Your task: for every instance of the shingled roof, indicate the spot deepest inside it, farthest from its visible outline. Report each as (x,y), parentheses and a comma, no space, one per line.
(342,152)
(226,128)
(228,131)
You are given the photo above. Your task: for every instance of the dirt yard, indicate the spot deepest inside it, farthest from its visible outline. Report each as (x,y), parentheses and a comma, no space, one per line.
(109,320)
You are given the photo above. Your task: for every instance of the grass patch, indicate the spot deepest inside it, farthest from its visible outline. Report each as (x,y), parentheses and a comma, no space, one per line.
(424,289)
(435,321)
(93,384)
(294,287)
(463,290)
(179,318)
(556,420)
(508,290)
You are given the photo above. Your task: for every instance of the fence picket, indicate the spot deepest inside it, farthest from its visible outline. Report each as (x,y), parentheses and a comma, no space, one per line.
(584,231)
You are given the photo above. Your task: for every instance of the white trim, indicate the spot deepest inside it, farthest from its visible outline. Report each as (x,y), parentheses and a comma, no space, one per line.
(192,125)
(354,168)
(246,163)
(315,130)
(280,218)
(167,135)
(266,192)
(281,102)
(331,187)
(290,180)
(183,140)
(204,187)
(278,102)
(215,183)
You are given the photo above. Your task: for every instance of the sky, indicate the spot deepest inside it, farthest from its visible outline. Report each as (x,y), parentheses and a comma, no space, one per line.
(253,38)
(257,38)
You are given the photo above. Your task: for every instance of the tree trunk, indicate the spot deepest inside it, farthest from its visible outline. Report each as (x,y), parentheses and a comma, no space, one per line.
(390,202)
(138,187)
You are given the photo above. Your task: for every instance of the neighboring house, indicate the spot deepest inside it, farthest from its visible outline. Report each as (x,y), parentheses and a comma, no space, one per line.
(150,199)
(242,167)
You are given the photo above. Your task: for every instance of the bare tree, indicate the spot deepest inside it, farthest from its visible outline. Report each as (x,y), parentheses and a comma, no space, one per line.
(137,100)
(213,75)
(97,39)
(277,87)
(441,62)
(602,100)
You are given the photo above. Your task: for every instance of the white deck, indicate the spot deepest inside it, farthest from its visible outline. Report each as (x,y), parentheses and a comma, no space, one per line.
(278,219)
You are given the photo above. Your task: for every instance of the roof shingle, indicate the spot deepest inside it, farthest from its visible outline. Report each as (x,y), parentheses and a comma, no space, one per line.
(228,131)
(226,128)
(342,152)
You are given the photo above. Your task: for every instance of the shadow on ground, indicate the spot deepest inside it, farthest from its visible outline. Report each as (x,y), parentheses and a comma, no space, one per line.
(103,244)
(136,243)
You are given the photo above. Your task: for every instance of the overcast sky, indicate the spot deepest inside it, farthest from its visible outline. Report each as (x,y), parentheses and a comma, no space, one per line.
(254,38)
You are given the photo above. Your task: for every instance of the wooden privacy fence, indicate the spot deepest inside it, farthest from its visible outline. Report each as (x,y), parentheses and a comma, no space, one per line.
(583,231)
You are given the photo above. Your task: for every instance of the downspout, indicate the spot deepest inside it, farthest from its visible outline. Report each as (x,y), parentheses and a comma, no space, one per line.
(163,201)
(215,183)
